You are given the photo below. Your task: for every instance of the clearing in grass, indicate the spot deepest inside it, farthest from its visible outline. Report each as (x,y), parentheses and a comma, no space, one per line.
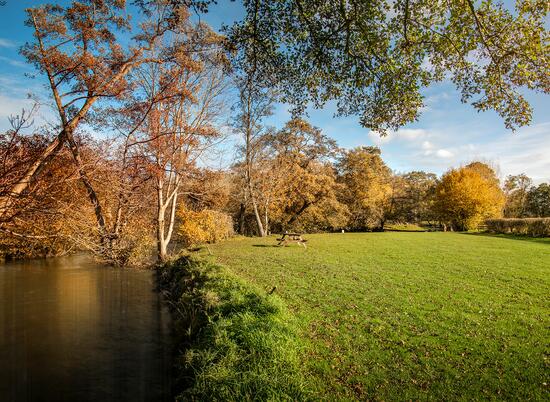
(398,316)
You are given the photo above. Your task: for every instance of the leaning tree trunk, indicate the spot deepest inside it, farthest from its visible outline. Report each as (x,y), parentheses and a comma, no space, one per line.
(257,216)
(261,231)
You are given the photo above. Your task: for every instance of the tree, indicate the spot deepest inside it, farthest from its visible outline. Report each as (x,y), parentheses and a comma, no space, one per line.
(538,200)
(303,178)
(39,223)
(374,57)
(416,204)
(367,187)
(77,50)
(465,197)
(516,189)
(255,103)
(185,97)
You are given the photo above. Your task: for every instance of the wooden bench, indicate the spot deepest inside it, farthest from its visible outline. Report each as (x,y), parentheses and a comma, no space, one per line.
(287,238)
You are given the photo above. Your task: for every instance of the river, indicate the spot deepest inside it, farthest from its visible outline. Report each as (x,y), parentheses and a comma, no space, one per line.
(74,330)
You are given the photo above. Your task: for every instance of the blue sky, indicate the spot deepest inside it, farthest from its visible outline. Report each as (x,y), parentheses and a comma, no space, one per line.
(448,133)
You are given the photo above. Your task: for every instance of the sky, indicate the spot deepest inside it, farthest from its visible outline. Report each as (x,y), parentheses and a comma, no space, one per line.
(448,133)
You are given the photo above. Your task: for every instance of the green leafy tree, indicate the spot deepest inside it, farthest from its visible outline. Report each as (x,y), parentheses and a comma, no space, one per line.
(516,189)
(538,200)
(417,199)
(374,57)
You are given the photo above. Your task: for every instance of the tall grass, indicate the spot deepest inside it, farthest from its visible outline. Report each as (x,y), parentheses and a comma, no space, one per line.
(235,341)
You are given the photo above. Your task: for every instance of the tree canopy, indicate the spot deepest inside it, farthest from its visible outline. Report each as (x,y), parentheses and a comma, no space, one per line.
(374,57)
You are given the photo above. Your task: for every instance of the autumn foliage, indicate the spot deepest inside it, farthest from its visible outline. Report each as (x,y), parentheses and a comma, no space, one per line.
(204,226)
(467,196)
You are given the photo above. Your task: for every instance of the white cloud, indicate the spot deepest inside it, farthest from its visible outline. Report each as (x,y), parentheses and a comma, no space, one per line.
(410,134)
(525,151)
(427,146)
(378,139)
(6,43)
(443,153)
(13,106)
(406,134)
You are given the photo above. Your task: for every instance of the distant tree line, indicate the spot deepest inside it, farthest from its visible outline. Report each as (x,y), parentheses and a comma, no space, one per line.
(303,181)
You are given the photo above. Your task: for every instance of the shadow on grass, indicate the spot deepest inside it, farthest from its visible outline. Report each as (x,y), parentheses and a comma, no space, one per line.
(265,245)
(540,240)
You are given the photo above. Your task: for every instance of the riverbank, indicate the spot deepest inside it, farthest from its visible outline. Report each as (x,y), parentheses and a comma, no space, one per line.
(235,341)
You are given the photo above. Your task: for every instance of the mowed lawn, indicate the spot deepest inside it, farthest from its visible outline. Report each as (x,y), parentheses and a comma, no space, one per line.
(400,316)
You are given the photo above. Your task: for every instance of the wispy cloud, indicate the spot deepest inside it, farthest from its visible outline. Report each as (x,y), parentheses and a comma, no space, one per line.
(7,43)
(526,151)
(14,62)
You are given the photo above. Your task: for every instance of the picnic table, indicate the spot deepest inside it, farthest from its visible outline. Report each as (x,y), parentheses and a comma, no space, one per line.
(287,238)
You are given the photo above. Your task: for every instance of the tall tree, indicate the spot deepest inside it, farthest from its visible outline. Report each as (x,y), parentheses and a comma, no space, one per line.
(516,189)
(418,198)
(538,200)
(368,187)
(76,48)
(182,126)
(304,176)
(255,103)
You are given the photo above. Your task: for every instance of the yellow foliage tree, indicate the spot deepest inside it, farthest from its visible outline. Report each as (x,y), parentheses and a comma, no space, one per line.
(467,196)
(367,187)
(205,226)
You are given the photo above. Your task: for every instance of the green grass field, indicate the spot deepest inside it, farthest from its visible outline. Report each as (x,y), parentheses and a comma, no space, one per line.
(409,316)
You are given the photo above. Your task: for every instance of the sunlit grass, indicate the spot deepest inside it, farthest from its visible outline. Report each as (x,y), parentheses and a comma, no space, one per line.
(398,316)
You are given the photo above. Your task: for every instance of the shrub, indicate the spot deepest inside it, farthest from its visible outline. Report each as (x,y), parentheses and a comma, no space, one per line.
(206,226)
(237,343)
(535,227)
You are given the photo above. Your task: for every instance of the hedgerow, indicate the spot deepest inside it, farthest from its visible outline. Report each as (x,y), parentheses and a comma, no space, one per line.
(535,227)
(234,341)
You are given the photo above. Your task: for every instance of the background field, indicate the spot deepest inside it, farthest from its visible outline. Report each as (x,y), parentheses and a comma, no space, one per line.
(412,315)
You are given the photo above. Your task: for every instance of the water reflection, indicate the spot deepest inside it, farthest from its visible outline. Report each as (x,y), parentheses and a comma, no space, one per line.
(71,330)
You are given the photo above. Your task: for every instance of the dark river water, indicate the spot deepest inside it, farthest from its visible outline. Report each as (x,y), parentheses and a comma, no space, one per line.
(73,330)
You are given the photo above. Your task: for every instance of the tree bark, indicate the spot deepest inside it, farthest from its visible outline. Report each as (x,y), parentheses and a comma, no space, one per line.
(161,210)
(256,212)
(242,211)
(92,195)
(305,205)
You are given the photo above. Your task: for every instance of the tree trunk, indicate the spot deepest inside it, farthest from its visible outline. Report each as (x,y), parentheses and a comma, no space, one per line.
(304,206)
(161,209)
(242,211)
(257,214)
(92,195)
(266,220)
(162,245)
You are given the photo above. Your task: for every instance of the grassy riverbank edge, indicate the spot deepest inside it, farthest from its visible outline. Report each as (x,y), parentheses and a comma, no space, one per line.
(234,341)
